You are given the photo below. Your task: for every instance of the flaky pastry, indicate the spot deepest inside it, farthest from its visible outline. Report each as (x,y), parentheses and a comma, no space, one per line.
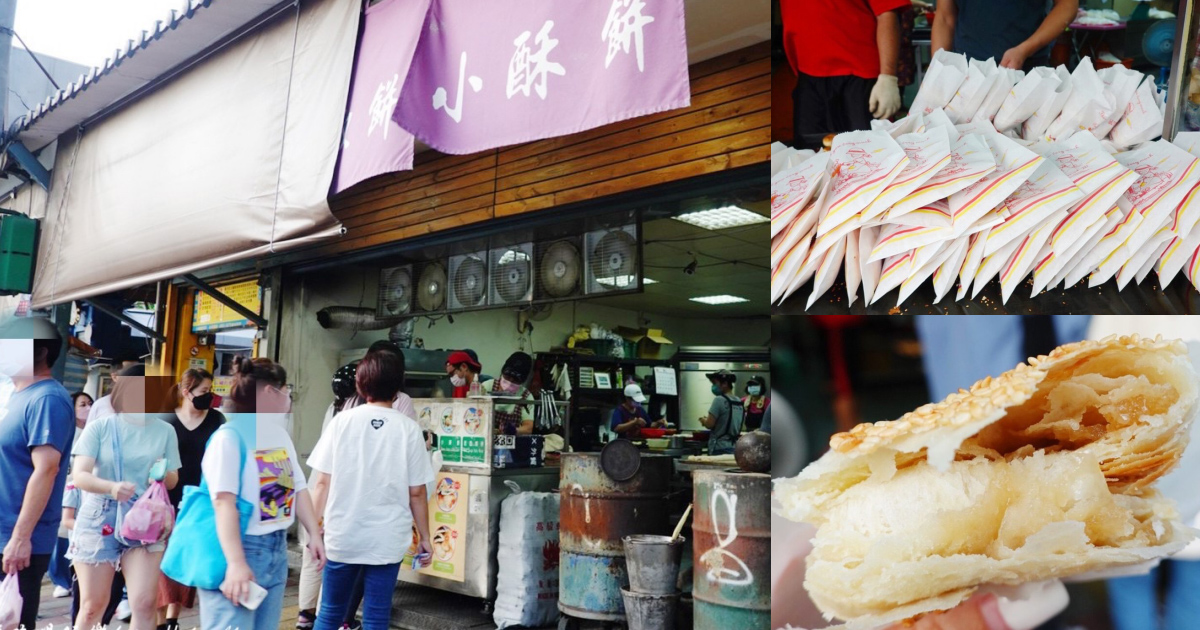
(1044,472)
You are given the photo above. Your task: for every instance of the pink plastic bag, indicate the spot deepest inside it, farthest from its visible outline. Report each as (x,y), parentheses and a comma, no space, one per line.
(149,516)
(10,603)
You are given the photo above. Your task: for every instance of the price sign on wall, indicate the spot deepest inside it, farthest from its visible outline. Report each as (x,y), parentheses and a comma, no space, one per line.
(210,315)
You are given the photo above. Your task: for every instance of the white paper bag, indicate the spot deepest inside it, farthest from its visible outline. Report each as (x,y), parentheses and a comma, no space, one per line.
(992,266)
(1006,79)
(946,73)
(966,275)
(868,270)
(1142,120)
(927,153)
(1176,257)
(792,188)
(861,165)
(936,214)
(970,161)
(1139,260)
(896,239)
(1036,125)
(827,272)
(1025,97)
(1086,107)
(1167,173)
(1071,259)
(895,270)
(1107,257)
(945,275)
(981,75)
(853,269)
(1014,165)
(1033,203)
(1024,258)
(788,267)
(1120,83)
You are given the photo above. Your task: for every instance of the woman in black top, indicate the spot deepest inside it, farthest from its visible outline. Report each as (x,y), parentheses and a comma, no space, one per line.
(195,420)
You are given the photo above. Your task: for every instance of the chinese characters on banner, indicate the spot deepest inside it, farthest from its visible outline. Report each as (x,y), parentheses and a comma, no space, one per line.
(487,74)
(373,144)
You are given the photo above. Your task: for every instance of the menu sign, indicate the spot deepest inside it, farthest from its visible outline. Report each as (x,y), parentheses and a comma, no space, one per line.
(461,426)
(210,315)
(447,529)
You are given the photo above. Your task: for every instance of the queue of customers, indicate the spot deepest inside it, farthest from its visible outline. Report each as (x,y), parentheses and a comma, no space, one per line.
(371,459)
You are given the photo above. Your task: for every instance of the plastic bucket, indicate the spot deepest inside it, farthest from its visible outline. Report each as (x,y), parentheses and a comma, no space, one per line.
(653,563)
(650,612)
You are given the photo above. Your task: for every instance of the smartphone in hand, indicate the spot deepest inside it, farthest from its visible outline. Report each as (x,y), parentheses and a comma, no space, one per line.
(255,597)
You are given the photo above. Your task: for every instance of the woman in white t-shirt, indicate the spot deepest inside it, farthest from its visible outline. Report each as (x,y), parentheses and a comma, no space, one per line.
(369,473)
(271,479)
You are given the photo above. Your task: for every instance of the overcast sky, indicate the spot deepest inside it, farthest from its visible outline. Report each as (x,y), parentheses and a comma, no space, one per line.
(87,31)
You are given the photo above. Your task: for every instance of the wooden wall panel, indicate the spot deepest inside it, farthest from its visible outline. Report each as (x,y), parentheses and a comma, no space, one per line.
(728,125)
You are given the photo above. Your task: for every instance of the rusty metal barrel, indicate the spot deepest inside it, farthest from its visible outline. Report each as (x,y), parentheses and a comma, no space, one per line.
(731,534)
(596,514)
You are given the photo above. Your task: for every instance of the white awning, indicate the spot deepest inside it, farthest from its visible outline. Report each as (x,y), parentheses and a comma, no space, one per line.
(232,159)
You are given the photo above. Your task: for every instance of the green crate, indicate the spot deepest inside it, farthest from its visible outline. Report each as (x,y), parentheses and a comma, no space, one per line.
(18,253)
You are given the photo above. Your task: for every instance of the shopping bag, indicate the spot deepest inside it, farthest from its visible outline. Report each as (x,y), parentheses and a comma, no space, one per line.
(150,517)
(194,557)
(10,603)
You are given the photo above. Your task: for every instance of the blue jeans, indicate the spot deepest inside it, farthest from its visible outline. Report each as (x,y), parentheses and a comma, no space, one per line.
(60,567)
(1133,601)
(267,557)
(379,582)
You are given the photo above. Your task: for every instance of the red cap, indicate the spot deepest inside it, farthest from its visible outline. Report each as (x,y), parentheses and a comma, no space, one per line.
(458,356)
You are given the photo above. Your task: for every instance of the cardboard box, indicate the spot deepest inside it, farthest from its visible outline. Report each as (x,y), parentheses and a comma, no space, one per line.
(649,341)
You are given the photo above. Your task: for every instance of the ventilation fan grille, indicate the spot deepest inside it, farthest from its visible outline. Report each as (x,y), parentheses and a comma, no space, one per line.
(511,274)
(559,268)
(395,291)
(612,261)
(468,281)
(431,287)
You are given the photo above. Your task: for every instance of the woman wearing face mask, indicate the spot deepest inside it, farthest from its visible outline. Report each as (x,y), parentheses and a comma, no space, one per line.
(755,402)
(195,421)
(513,419)
(271,479)
(463,369)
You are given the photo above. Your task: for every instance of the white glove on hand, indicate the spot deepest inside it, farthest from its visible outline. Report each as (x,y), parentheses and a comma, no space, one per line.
(885,97)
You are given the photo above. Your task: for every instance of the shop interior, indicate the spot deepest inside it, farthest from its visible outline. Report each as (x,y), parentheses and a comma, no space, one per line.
(606,293)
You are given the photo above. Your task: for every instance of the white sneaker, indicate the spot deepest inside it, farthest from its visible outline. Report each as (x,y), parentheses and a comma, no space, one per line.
(123,612)
(60,592)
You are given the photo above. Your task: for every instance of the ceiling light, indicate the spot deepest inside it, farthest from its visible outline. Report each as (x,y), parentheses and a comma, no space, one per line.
(722,218)
(719,299)
(649,281)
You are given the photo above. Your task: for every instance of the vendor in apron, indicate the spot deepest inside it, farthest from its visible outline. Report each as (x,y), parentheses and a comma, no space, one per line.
(513,419)
(463,369)
(630,417)
(726,414)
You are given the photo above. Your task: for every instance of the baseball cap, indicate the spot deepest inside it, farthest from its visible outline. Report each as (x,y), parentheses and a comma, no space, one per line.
(634,392)
(725,376)
(458,356)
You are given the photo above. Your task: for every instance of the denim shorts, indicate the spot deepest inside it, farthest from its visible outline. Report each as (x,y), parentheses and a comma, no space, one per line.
(94,539)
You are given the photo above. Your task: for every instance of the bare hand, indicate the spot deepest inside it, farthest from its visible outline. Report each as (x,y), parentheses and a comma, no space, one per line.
(641,422)
(16,555)
(977,613)
(316,547)
(123,491)
(1014,58)
(236,586)
(424,548)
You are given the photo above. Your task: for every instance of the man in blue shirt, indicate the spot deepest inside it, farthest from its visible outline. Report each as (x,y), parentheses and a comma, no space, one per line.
(629,417)
(36,430)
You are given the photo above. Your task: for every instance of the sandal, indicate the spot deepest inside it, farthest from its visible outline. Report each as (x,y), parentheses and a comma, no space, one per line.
(305,620)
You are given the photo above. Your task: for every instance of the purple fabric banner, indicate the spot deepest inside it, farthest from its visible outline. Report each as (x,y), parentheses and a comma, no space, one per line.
(373,142)
(489,74)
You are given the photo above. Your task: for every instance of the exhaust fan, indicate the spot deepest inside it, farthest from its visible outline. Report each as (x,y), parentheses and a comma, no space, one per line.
(612,260)
(468,281)
(559,268)
(395,291)
(431,287)
(512,274)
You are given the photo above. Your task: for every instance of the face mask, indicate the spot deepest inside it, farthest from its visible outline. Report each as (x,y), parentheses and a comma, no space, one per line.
(81,413)
(457,380)
(716,390)
(203,401)
(754,390)
(508,386)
